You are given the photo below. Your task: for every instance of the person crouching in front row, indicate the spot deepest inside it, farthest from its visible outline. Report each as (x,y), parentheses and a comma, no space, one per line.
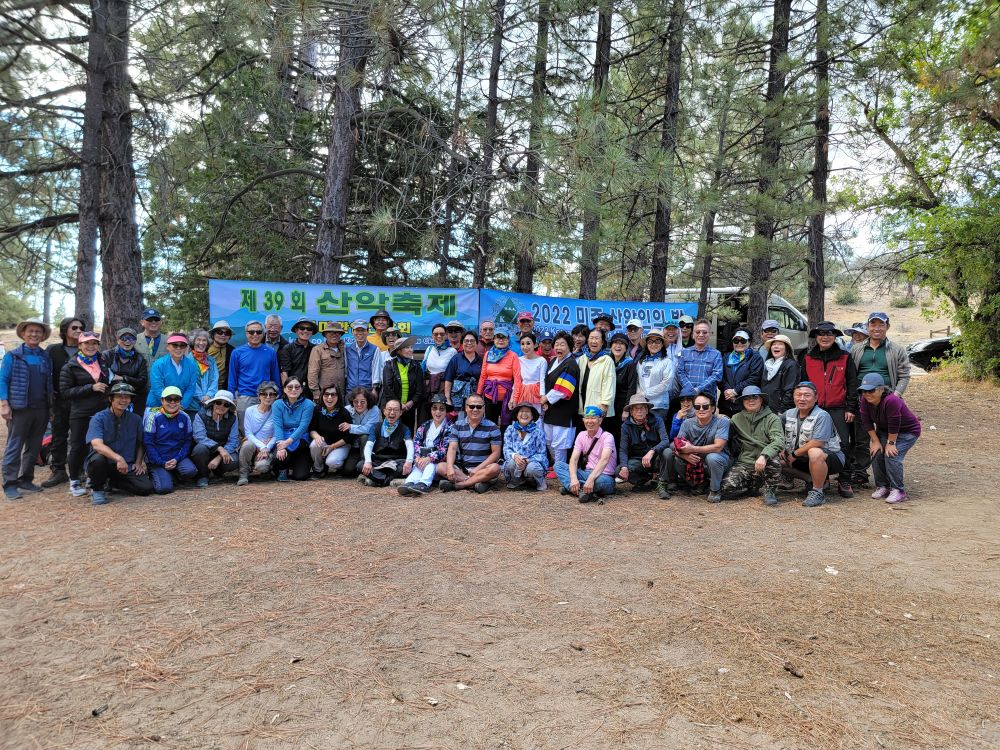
(389,450)
(167,435)
(524,455)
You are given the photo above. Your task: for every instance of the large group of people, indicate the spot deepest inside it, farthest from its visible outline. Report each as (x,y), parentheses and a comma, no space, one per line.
(592,408)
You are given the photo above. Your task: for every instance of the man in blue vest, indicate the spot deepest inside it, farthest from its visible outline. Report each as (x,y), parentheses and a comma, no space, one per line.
(359,356)
(25,395)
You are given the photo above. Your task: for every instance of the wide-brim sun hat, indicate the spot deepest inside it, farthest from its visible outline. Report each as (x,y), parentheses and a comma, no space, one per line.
(526,405)
(654,332)
(638,399)
(221,325)
(752,390)
(403,343)
(224,396)
(857,328)
(381,314)
(827,327)
(784,340)
(391,329)
(335,328)
(307,320)
(46,328)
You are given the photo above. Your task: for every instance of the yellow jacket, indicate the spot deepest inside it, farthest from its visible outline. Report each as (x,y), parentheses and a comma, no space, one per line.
(600,383)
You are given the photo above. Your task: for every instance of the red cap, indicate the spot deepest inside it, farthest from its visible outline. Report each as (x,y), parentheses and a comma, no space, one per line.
(525,315)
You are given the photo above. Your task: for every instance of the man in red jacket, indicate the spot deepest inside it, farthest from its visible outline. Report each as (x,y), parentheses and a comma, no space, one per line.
(835,375)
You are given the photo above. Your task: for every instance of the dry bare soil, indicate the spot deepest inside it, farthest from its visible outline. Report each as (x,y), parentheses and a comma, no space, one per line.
(327,615)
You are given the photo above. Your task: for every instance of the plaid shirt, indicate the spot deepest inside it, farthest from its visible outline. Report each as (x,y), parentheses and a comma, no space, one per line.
(699,370)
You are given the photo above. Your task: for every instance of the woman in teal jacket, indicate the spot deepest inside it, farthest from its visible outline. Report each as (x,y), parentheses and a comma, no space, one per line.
(291,416)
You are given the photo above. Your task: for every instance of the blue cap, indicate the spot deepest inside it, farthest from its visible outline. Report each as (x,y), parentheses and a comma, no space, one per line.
(884,317)
(150,312)
(770,324)
(871,381)
(752,390)
(593,411)
(688,392)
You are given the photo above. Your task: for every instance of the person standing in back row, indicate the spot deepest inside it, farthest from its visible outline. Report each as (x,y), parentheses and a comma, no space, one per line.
(700,366)
(250,365)
(61,353)
(150,343)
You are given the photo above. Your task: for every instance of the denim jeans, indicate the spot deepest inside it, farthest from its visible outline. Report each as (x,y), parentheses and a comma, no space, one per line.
(603,485)
(889,471)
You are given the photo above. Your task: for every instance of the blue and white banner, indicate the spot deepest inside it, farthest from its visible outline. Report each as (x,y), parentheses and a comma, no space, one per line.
(557,313)
(414,311)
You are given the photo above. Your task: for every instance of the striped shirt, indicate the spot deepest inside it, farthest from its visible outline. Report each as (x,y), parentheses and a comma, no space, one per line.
(474,444)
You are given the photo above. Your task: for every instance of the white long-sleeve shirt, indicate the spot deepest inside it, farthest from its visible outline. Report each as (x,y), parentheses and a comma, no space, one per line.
(259,428)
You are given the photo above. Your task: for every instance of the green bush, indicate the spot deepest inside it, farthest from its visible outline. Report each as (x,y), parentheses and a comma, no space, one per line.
(900,302)
(847,295)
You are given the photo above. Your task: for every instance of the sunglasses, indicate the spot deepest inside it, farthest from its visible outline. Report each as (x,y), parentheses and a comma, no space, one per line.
(173,399)
(475,406)
(76,328)
(152,320)
(824,334)
(255,333)
(702,407)
(223,333)
(293,387)
(331,394)
(455,330)
(740,341)
(770,330)
(268,394)
(303,328)
(687,325)
(179,345)
(127,339)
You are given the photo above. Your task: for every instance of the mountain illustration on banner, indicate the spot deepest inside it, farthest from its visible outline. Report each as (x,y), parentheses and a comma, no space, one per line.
(507,312)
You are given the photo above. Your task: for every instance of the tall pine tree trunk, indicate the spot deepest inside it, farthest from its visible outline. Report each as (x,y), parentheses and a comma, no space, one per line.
(708,220)
(484,214)
(121,259)
(453,165)
(770,151)
(590,251)
(90,168)
(821,168)
(355,47)
(668,145)
(526,254)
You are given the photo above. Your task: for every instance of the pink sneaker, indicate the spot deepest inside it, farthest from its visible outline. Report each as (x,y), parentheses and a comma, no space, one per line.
(880,493)
(896,496)
(551,474)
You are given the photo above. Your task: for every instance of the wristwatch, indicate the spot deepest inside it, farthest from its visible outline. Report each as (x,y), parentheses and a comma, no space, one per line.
(890,442)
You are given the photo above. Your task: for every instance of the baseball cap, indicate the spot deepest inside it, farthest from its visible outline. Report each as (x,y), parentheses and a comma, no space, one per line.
(884,317)
(769,324)
(525,315)
(871,381)
(150,312)
(634,323)
(171,390)
(88,336)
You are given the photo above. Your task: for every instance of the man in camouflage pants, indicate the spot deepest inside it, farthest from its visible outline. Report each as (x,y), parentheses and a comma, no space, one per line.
(758,433)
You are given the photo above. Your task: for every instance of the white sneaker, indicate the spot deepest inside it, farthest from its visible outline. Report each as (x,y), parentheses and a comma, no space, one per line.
(77,488)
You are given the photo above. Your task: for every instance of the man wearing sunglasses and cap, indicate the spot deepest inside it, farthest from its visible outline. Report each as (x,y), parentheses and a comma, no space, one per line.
(128,366)
(887,359)
(150,343)
(293,359)
(221,350)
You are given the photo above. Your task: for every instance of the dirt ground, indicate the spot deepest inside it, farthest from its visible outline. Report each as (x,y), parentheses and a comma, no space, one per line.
(328,615)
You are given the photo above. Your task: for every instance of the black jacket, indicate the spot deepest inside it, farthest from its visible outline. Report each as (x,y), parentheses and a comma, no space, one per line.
(294,360)
(59,357)
(76,387)
(134,371)
(779,389)
(392,386)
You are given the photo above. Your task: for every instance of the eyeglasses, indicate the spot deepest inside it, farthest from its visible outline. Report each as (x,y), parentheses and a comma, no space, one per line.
(438,333)
(268,394)
(702,407)
(172,399)
(331,394)
(475,406)
(255,333)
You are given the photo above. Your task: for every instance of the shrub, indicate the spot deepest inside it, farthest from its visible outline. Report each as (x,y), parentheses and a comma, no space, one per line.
(847,295)
(903,302)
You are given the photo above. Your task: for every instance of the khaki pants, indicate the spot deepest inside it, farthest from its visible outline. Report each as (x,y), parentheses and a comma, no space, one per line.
(249,464)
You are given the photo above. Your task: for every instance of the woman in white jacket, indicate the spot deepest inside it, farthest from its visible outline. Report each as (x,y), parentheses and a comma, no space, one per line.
(655,371)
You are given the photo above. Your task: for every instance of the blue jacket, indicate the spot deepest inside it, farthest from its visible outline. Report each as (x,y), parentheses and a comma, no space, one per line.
(208,383)
(250,366)
(532,449)
(749,371)
(358,364)
(166,437)
(15,372)
(163,374)
(292,421)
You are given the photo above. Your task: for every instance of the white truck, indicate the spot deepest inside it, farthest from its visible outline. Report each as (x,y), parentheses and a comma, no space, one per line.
(727,310)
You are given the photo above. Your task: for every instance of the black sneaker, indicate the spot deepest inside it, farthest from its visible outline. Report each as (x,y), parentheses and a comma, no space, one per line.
(59,476)
(26,486)
(447,485)
(586,497)
(564,491)
(405,490)
(844,489)
(419,488)
(481,488)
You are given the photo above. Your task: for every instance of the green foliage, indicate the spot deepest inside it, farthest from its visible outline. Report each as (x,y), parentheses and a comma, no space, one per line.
(847,295)
(902,302)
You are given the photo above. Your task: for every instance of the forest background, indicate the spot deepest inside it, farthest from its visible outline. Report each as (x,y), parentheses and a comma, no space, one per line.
(610,149)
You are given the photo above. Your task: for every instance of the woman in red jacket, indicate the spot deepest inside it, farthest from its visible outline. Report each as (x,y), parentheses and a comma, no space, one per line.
(500,379)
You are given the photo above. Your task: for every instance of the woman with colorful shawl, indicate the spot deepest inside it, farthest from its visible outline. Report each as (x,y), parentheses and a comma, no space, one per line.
(500,379)
(560,400)
(208,370)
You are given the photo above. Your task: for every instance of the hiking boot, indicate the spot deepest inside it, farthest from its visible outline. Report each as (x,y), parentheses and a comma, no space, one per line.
(896,496)
(515,484)
(243,481)
(283,476)
(564,491)
(12,492)
(201,484)
(586,497)
(26,486)
(99,497)
(405,490)
(700,489)
(481,488)
(844,489)
(814,498)
(661,491)
(59,476)
(419,488)
(770,498)
(881,493)
(76,488)
(319,473)
(446,485)
(715,497)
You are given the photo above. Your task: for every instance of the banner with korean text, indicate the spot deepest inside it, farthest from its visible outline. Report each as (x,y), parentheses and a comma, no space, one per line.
(413,310)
